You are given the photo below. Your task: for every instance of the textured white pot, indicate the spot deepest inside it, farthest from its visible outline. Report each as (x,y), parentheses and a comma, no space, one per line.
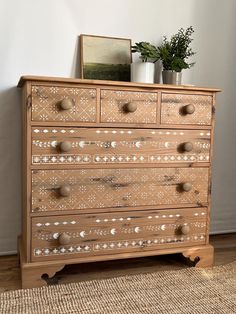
(142,72)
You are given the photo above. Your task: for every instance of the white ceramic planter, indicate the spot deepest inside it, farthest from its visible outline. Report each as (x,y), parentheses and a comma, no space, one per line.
(142,72)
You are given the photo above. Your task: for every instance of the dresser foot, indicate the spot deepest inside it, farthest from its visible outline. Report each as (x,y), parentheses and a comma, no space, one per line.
(39,276)
(202,256)
(36,274)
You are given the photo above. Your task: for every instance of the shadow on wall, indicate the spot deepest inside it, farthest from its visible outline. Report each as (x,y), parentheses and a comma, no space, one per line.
(158,71)
(216,52)
(75,68)
(10,168)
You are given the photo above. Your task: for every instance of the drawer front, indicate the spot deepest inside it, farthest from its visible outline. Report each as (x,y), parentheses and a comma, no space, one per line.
(112,233)
(128,107)
(113,188)
(186,109)
(55,103)
(109,146)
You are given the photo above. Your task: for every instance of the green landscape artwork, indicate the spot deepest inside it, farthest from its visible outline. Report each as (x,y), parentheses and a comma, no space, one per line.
(105,58)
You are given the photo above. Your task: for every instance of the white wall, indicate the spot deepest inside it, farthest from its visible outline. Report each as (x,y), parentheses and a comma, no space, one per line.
(40,38)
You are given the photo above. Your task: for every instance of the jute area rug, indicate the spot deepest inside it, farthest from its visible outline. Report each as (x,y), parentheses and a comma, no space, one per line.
(183,291)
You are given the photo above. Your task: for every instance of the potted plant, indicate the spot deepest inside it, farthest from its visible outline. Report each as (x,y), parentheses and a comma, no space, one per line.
(144,71)
(174,54)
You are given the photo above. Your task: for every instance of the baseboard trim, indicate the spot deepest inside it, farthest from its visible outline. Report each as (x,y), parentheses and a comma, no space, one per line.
(8,253)
(222,232)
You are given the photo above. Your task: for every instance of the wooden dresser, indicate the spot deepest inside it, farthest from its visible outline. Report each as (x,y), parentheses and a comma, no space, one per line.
(113,170)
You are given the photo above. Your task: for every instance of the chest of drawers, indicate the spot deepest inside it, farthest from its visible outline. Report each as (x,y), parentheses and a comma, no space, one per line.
(113,170)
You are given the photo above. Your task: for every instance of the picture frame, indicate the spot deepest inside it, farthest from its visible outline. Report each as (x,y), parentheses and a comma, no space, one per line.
(105,58)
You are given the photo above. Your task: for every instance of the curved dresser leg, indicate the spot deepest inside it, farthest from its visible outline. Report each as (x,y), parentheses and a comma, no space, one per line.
(32,276)
(202,256)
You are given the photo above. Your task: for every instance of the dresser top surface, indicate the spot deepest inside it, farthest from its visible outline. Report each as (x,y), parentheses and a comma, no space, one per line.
(47,79)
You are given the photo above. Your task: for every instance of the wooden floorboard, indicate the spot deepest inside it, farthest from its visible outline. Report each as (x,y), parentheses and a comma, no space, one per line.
(225,252)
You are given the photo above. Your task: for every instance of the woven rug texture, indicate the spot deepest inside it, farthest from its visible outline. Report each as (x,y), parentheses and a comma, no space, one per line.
(184,291)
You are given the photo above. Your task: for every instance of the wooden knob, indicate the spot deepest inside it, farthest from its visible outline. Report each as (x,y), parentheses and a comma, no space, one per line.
(186,187)
(189,109)
(66,104)
(64,190)
(130,107)
(185,229)
(64,239)
(65,146)
(187,147)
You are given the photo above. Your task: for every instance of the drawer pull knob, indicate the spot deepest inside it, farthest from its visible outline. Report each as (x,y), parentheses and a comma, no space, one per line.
(65,146)
(130,107)
(66,104)
(186,187)
(64,239)
(189,109)
(187,147)
(185,229)
(64,190)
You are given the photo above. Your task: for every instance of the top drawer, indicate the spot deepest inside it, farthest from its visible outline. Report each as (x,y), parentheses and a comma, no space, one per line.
(186,109)
(120,106)
(57,103)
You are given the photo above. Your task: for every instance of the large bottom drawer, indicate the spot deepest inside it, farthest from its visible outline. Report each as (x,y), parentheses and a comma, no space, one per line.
(73,236)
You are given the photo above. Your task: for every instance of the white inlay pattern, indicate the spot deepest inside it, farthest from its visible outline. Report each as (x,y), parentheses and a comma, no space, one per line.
(61,159)
(118,245)
(62,250)
(47,236)
(114,131)
(147,148)
(117,219)
(56,223)
(112,106)
(100,159)
(111,245)
(77,131)
(45,104)
(55,131)
(113,220)
(99,188)
(173,103)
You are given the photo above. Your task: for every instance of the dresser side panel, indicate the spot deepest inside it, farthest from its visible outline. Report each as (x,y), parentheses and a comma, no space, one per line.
(26,173)
(210,168)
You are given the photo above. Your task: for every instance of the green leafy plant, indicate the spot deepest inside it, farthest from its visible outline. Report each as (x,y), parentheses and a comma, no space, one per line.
(176,51)
(148,52)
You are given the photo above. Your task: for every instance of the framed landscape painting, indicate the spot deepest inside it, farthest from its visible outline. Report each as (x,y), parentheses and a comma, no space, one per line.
(105,58)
